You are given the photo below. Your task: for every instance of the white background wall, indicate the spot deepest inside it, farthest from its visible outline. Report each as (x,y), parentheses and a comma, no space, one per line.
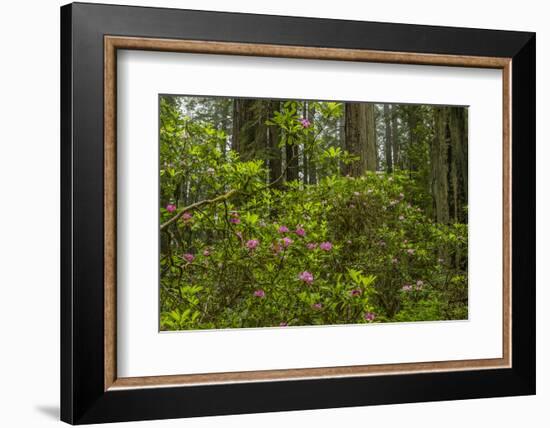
(29,213)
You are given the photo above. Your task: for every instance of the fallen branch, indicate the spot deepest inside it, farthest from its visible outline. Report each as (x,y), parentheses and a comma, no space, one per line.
(191,207)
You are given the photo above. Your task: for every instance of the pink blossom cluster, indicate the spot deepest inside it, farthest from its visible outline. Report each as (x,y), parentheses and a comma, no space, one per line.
(306,276)
(325,246)
(234,218)
(251,244)
(370,316)
(187,217)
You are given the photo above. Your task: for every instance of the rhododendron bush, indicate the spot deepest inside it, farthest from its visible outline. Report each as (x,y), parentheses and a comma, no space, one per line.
(242,247)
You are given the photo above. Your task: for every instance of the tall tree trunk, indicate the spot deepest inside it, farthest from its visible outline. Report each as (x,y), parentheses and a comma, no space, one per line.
(439,165)
(459,161)
(275,159)
(371,152)
(305,160)
(312,167)
(249,129)
(225,126)
(242,115)
(412,119)
(341,136)
(291,162)
(387,138)
(397,161)
(360,138)
(355,136)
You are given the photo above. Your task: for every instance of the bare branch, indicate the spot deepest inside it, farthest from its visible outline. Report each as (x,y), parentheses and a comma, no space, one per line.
(191,207)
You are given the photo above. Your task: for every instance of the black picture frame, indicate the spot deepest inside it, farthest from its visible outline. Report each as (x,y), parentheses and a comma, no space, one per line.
(83,398)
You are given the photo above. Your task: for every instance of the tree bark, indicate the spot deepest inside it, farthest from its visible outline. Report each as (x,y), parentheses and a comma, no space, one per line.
(305,160)
(291,162)
(459,161)
(395,139)
(412,119)
(439,165)
(371,152)
(249,130)
(312,167)
(275,159)
(388,138)
(360,138)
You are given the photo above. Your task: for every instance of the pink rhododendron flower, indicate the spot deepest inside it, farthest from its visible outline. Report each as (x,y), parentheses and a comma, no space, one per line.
(259,293)
(317,306)
(407,287)
(206,252)
(300,231)
(355,293)
(188,257)
(311,246)
(234,218)
(252,244)
(325,246)
(287,242)
(370,316)
(305,122)
(283,229)
(306,276)
(187,216)
(170,208)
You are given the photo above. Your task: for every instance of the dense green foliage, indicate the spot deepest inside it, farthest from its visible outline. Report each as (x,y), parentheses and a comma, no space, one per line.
(241,250)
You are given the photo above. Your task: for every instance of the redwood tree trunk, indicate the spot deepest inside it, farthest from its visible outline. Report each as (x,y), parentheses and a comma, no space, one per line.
(275,159)
(397,162)
(311,162)
(388,138)
(360,138)
(459,161)
(439,165)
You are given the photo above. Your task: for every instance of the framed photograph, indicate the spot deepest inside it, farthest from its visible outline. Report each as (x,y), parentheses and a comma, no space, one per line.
(266,213)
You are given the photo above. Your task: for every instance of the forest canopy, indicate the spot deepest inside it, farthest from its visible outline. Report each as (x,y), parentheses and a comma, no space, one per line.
(277,213)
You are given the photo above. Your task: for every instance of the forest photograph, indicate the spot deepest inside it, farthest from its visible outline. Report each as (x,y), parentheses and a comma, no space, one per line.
(281,213)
